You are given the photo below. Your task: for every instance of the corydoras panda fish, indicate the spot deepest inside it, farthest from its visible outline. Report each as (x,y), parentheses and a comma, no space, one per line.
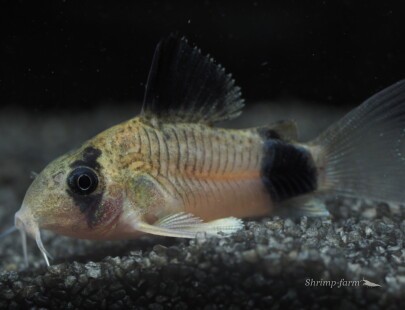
(171,172)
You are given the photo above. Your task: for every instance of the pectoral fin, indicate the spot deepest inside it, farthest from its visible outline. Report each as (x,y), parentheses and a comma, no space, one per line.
(186,225)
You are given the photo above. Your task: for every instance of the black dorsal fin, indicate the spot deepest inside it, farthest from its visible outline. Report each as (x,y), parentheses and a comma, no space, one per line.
(183,85)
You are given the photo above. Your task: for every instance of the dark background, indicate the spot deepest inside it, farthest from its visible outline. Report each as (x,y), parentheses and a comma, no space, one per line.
(59,55)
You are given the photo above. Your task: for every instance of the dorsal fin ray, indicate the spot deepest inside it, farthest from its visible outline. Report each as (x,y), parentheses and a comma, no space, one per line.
(185,86)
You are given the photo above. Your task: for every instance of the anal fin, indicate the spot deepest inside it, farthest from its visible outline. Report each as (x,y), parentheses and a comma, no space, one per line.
(186,225)
(310,205)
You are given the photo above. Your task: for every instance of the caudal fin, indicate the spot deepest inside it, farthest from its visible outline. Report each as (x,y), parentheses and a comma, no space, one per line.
(363,154)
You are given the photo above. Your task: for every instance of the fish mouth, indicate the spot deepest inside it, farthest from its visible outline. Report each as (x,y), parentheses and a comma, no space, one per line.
(25,223)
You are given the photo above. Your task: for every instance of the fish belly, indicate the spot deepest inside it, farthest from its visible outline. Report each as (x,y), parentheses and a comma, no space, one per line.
(213,199)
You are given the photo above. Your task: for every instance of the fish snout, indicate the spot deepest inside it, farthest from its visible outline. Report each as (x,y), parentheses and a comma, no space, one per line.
(38,207)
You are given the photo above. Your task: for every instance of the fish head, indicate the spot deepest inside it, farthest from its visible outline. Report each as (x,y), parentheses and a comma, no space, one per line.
(76,195)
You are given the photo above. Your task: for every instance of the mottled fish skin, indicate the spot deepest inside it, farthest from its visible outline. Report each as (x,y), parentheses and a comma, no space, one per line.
(209,172)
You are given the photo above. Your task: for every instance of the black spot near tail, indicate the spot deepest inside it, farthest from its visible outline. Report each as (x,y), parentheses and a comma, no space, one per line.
(267,133)
(287,170)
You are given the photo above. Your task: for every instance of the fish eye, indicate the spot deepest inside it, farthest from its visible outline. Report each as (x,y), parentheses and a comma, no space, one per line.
(83,180)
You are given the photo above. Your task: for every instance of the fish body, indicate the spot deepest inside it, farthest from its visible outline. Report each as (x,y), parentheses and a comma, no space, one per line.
(170,171)
(209,172)
(164,169)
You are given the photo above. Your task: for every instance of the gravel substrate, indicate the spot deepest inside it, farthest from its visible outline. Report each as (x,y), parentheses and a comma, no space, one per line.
(265,266)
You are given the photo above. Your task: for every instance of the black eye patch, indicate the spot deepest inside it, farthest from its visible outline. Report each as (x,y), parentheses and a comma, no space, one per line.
(83,181)
(90,156)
